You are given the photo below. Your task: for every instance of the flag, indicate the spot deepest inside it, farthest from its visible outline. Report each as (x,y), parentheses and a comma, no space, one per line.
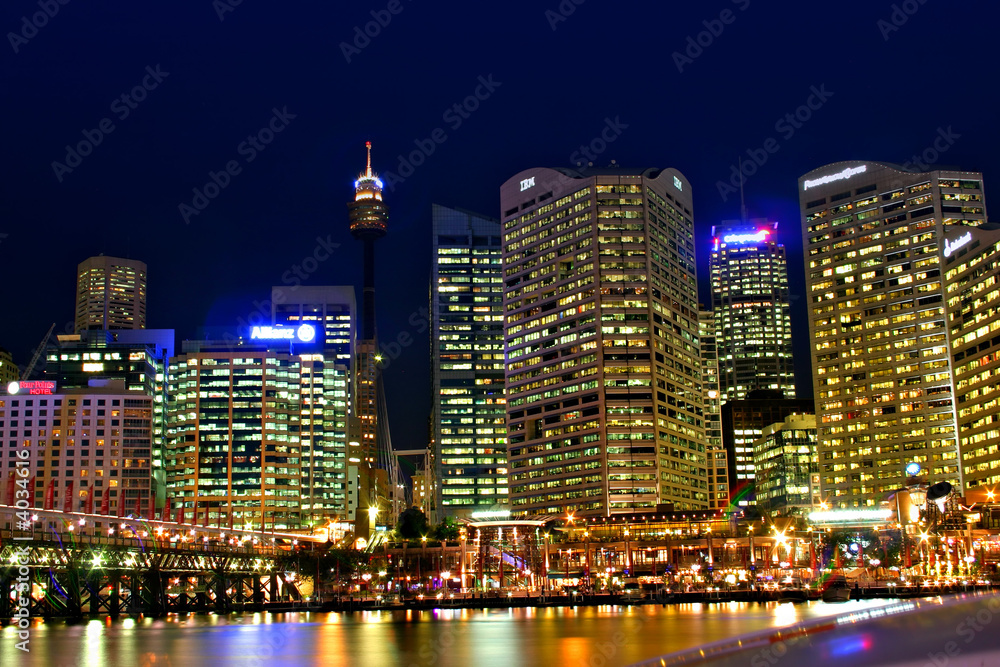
(10,489)
(68,501)
(50,495)
(89,505)
(105,501)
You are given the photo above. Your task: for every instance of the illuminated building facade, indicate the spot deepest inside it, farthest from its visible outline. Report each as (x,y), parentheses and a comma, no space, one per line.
(327,389)
(110,294)
(787,466)
(971,264)
(467,362)
(880,341)
(718,469)
(749,276)
(743,422)
(256,434)
(139,358)
(84,444)
(605,406)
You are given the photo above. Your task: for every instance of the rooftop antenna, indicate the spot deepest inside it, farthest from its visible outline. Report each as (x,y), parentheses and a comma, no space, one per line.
(743,207)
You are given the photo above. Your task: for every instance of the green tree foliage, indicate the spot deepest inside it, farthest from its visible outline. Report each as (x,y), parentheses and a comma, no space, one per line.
(412,524)
(447,530)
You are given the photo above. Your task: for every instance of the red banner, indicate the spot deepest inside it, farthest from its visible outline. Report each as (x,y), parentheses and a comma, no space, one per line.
(50,495)
(180,513)
(10,489)
(106,502)
(68,500)
(120,504)
(138,505)
(152,508)
(89,505)
(206,514)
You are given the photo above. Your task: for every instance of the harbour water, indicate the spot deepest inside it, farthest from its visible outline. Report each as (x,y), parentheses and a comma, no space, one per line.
(601,636)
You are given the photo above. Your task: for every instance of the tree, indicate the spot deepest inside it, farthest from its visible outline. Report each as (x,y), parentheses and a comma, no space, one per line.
(447,530)
(412,524)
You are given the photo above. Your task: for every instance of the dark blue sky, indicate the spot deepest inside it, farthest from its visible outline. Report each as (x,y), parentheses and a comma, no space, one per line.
(217,73)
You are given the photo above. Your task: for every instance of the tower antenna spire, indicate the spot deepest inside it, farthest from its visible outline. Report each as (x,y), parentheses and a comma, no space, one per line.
(368,172)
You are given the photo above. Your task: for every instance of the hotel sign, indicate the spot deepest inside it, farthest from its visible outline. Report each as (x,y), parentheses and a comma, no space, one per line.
(839,176)
(37,387)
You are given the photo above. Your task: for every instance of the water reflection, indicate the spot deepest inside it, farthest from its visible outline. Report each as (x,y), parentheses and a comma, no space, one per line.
(608,635)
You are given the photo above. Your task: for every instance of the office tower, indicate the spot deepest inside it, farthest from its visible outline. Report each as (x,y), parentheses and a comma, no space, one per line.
(787,466)
(138,358)
(743,422)
(368,215)
(718,469)
(238,421)
(750,302)
(327,380)
(874,236)
(971,265)
(605,407)
(467,362)
(8,371)
(110,294)
(83,444)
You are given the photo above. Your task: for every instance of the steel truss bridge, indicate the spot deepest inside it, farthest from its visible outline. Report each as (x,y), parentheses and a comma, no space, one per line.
(74,564)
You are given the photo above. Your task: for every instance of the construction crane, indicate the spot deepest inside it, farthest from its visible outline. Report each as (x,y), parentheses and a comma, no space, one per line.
(30,368)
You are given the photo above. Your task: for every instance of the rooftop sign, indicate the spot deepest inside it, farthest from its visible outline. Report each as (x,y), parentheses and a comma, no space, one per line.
(43,387)
(759,237)
(304,333)
(952,246)
(839,176)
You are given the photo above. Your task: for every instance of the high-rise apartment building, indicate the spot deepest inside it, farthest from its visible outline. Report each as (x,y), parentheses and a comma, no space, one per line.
(718,468)
(88,448)
(749,275)
(256,433)
(875,235)
(110,294)
(787,466)
(605,406)
(467,362)
(971,265)
(743,422)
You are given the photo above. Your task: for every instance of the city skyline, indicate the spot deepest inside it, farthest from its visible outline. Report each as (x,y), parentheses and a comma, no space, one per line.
(278,219)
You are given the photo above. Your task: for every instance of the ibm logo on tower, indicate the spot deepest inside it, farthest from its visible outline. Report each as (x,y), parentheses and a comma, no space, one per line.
(527,183)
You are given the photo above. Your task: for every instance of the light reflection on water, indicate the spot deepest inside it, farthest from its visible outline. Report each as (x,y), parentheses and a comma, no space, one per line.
(599,636)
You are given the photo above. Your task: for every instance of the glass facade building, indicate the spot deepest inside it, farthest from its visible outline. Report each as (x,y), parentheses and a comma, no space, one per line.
(787,466)
(605,400)
(110,294)
(753,331)
(718,468)
(467,362)
(874,234)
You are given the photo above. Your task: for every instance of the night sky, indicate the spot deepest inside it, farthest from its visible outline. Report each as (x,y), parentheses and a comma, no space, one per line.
(685,85)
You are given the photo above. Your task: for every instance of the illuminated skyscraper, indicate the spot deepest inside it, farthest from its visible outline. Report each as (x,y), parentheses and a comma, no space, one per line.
(875,237)
(110,294)
(750,301)
(718,469)
(368,215)
(467,362)
(605,409)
